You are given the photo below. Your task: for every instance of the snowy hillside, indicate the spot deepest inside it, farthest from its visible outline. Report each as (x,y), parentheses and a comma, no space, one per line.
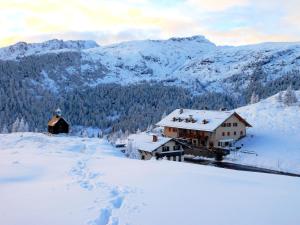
(275,135)
(67,180)
(130,85)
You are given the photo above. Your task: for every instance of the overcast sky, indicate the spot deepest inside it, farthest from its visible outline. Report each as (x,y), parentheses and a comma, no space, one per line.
(224,22)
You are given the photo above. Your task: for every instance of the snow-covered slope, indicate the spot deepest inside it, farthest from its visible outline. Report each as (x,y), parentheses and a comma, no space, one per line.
(275,135)
(192,62)
(67,180)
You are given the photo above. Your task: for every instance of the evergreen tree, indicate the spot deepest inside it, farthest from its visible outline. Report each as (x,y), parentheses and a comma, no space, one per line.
(131,151)
(21,127)
(15,126)
(279,97)
(254,98)
(289,97)
(4,129)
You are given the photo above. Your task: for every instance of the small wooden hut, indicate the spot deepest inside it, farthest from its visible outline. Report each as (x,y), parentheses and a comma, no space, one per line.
(58,124)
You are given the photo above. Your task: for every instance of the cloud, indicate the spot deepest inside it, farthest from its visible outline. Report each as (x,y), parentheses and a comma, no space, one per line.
(108,21)
(217,5)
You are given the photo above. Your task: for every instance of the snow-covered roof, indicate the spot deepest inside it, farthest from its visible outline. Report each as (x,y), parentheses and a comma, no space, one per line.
(204,120)
(144,141)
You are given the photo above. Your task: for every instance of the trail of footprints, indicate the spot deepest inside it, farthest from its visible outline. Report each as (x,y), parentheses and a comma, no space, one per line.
(106,214)
(86,179)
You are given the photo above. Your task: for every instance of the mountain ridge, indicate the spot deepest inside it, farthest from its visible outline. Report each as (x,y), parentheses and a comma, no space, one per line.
(139,79)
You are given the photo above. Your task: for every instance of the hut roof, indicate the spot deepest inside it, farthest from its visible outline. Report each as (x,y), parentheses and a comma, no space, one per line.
(54,120)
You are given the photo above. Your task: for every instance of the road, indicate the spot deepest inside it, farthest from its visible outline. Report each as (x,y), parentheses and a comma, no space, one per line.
(234,166)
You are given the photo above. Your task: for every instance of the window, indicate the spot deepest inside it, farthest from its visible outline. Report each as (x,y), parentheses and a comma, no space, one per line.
(165,148)
(223,133)
(228,124)
(234,133)
(235,124)
(242,133)
(228,133)
(174,129)
(176,147)
(224,125)
(170,129)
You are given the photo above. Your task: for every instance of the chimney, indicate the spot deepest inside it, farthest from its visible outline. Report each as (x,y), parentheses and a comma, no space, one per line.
(180,111)
(154,138)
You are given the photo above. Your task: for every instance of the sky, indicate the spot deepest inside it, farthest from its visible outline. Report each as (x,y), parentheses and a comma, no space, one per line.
(224,22)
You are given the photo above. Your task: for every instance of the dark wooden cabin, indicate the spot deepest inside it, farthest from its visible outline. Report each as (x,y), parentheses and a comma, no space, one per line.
(58,124)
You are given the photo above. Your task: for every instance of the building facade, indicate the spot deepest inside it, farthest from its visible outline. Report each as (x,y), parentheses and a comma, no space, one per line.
(203,128)
(151,145)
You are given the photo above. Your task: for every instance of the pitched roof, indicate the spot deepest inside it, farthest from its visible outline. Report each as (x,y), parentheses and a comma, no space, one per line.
(204,120)
(54,120)
(144,141)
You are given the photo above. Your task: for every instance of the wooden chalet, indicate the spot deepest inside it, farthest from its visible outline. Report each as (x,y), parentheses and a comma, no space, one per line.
(204,128)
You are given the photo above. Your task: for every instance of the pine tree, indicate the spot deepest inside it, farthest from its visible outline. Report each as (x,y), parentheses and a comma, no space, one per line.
(164,115)
(21,127)
(254,98)
(100,134)
(279,97)
(289,97)
(26,127)
(15,126)
(131,151)
(4,129)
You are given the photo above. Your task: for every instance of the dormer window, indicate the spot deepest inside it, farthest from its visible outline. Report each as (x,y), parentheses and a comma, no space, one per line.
(204,121)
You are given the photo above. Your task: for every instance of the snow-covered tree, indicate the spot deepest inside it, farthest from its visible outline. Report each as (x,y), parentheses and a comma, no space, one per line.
(289,97)
(279,97)
(126,134)
(113,138)
(4,129)
(150,128)
(100,134)
(138,131)
(254,98)
(26,127)
(21,125)
(84,133)
(164,115)
(15,125)
(131,151)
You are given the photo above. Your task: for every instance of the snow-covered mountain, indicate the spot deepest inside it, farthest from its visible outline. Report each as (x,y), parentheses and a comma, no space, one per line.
(192,62)
(23,49)
(137,79)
